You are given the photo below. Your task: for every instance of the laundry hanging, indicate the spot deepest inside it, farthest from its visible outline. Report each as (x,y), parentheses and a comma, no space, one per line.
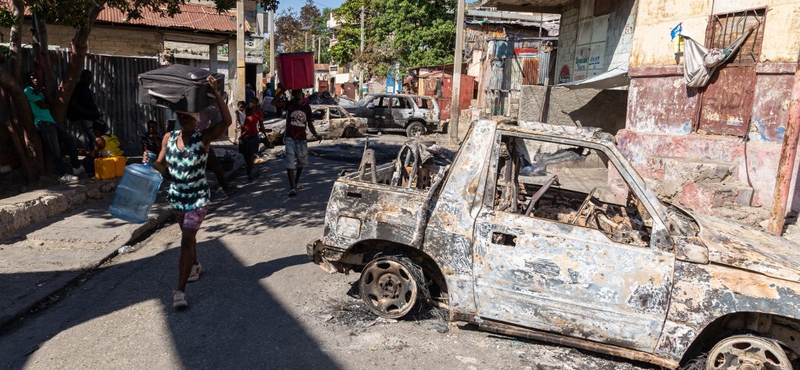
(700,63)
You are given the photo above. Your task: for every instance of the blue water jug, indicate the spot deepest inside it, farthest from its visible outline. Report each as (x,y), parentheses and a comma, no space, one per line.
(136,192)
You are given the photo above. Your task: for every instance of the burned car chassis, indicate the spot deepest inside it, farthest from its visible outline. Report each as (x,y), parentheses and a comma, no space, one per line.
(610,269)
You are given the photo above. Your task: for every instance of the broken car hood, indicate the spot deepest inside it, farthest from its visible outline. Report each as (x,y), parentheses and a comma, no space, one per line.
(750,249)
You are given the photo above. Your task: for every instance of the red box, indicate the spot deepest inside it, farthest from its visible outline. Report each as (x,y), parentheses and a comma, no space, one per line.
(296,70)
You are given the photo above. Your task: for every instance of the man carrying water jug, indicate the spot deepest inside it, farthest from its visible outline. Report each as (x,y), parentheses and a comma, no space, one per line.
(183,155)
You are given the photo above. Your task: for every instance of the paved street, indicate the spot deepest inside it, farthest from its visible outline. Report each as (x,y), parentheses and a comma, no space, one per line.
(259,304)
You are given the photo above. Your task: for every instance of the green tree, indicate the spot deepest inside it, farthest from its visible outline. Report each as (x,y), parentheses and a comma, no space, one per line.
(291,32)
(81,15)
(411,32)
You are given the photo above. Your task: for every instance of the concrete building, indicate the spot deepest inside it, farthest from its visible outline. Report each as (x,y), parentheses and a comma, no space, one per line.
(714,149)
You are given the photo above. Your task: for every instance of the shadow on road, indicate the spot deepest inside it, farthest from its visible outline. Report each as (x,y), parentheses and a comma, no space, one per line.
(234,320)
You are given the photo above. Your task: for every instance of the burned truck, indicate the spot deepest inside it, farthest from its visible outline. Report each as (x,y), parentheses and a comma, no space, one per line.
(547,232)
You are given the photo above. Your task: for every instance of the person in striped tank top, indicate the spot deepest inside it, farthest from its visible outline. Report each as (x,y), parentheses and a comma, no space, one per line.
(183,156)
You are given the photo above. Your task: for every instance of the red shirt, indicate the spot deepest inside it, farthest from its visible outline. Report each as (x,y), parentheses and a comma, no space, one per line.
(297,120)
(251,124)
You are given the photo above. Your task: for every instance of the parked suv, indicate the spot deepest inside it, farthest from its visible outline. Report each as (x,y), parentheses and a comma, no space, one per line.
(415,114)
(547,232)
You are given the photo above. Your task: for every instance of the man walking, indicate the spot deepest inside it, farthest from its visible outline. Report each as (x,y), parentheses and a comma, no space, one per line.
(82,109)
(51,131)
(298,117)
(208,118)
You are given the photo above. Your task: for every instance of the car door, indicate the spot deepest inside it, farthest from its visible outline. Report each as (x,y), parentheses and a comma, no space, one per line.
(543,272)
(338,122)
(322,123)
(402,111)
(381,111)
(425,109)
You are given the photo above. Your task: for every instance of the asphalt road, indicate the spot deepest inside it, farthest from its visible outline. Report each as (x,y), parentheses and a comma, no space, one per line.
(259,304)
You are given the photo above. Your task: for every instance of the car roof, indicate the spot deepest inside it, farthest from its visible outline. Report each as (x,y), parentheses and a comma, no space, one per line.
(403,95)
(583,133)
(318,106)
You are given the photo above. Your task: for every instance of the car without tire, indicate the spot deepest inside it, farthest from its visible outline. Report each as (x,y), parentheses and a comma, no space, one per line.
(549,233)
(330,122)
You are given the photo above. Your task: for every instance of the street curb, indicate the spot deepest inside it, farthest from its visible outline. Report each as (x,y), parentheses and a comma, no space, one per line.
(65,278)
(19,212)
(158,216)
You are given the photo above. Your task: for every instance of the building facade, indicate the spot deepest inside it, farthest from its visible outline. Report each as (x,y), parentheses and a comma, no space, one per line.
(716,148)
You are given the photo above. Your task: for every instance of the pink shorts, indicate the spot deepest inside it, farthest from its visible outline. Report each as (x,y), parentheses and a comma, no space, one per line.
(191,219)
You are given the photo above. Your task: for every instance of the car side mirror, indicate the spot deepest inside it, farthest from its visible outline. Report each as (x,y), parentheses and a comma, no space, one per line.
(370,106)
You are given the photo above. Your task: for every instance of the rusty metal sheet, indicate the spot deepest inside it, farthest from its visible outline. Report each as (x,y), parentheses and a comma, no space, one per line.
(530,71)
(727,102)
(444,108)
(118,74)
(349,90)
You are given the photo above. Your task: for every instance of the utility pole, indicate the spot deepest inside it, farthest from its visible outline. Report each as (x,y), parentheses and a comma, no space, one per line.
(319,50)
(236,57)
(361,69)
(272,48)
(455,97)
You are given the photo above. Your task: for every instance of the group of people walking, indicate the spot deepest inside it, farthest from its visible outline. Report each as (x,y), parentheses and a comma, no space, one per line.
(181,155)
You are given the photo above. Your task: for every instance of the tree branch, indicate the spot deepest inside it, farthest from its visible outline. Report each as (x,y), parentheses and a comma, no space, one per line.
(79,48)
(15,39)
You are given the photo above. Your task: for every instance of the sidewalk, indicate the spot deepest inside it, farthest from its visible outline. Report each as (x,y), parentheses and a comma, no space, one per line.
(57,247)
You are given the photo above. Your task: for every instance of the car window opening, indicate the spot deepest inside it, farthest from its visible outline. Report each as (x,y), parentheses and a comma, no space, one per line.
(570,185)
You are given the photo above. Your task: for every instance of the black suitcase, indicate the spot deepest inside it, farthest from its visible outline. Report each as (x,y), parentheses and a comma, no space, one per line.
(179,87)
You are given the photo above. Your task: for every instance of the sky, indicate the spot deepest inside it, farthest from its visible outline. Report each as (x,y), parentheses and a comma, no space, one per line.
(297,4)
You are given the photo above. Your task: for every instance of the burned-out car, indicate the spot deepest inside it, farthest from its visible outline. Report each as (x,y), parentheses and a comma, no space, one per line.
(547,232)
(330,122)
(413,114)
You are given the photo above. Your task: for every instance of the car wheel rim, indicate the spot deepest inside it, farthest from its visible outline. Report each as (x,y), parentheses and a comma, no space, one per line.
(416,130)
(747,353)
(388,288)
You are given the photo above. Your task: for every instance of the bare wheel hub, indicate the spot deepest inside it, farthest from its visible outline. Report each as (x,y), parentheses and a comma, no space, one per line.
(388,287)
(747,352)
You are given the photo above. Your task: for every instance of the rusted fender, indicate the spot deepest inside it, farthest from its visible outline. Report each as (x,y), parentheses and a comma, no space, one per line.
(703,293)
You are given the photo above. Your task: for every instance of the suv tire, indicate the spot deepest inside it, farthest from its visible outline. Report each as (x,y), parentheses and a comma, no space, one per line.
(415,128)
(390,286)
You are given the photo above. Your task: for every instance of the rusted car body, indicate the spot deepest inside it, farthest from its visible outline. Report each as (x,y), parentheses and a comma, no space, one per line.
(510,238)
(414,114)
(330,121)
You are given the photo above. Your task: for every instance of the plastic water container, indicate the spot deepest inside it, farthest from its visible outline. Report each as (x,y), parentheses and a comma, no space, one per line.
(136,192)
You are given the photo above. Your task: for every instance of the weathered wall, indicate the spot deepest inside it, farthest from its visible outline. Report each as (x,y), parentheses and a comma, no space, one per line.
(652,45)
(597,108)
(663,111)
(105,39)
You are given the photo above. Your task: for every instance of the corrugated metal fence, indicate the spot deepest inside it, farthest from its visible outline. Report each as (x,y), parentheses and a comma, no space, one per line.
(115,88)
